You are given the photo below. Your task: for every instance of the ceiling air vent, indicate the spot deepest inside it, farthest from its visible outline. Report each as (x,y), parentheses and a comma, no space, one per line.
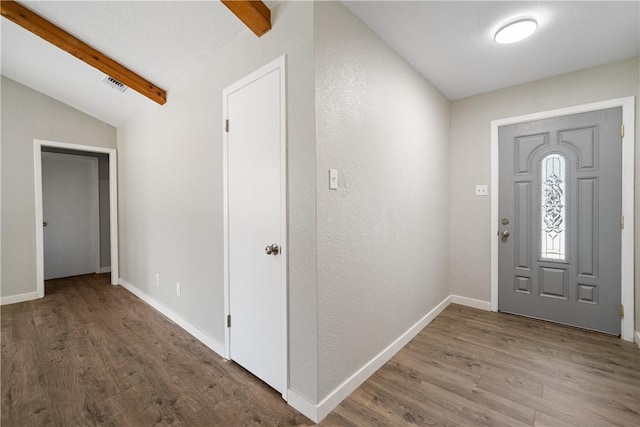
(119,86)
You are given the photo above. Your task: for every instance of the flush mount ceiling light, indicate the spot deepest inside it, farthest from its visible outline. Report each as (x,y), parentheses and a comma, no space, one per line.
(516,31)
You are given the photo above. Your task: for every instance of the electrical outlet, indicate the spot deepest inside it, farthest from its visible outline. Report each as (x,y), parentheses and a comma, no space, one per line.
(157,279)
(482,190)
(178,289)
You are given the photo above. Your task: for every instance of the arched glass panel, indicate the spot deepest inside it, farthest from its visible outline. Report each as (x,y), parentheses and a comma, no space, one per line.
(553,208)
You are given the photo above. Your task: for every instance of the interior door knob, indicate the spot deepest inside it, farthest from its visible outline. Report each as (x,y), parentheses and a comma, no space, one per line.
(272,249)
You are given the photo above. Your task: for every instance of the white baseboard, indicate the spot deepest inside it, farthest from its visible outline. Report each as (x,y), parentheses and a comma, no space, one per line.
(104,270)
(470,302)
(348,386)
(302,405)
(637,338)
(184,324)
(13,299)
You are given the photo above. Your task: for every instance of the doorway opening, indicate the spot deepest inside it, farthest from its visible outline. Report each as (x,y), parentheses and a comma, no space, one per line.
(105,238)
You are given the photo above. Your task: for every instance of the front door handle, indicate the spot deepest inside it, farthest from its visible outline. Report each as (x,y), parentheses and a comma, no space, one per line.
(272,249)
(505,234)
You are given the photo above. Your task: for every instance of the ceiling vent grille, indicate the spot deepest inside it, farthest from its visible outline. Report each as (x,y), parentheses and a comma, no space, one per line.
(117,85)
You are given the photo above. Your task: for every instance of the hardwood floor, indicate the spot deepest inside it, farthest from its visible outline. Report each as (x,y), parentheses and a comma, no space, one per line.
(90,353)
(471,367)
(93,354)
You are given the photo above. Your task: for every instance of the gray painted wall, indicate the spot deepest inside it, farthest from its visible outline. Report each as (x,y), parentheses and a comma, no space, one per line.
(103,189)
(383,237)
(105,210)
(170,188)
(28,115)
(471,161)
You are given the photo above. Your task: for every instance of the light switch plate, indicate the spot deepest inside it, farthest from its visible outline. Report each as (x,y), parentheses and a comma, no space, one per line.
(333,179)
(482,190)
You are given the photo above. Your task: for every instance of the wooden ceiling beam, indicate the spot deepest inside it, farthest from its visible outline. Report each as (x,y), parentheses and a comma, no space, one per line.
(254,13)
(55,35)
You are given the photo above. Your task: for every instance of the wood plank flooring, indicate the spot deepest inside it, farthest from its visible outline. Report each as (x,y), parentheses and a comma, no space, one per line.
(90,353)
(470,367)
(93,354)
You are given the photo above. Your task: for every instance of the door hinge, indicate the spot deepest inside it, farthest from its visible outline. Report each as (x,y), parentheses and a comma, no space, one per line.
(226,125)
(621,221)
(228,320)
(621,310)
(622,130)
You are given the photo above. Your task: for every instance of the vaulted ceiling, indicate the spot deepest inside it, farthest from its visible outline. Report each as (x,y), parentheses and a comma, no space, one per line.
(450,43)
(160,40)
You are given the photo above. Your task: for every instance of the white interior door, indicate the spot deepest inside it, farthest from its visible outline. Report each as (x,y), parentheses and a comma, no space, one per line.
(256,224)
(70,215)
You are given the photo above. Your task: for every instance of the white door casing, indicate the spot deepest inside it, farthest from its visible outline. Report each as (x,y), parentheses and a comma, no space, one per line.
(113,205)
(628,188)
(255,284)
(71,214)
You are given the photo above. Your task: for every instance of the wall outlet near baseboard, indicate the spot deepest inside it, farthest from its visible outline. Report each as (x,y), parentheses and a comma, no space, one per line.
(157,279)
(482,190)
(178,289)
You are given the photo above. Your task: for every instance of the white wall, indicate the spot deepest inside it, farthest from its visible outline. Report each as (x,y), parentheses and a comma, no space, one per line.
(383,237)
(471,162)
(170,188)
(28,115)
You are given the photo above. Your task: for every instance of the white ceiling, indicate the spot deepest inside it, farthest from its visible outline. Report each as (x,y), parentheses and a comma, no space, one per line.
(451,42)
(160,40)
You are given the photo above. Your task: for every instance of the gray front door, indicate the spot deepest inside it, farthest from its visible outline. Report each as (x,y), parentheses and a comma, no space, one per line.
(559,219)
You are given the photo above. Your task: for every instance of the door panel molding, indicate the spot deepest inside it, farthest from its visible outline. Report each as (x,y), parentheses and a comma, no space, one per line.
(277,64)
(524,235)
(587,222)
(113,204)
(628,189)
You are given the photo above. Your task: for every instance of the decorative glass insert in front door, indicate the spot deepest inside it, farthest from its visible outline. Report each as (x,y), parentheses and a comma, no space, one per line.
(553,208)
